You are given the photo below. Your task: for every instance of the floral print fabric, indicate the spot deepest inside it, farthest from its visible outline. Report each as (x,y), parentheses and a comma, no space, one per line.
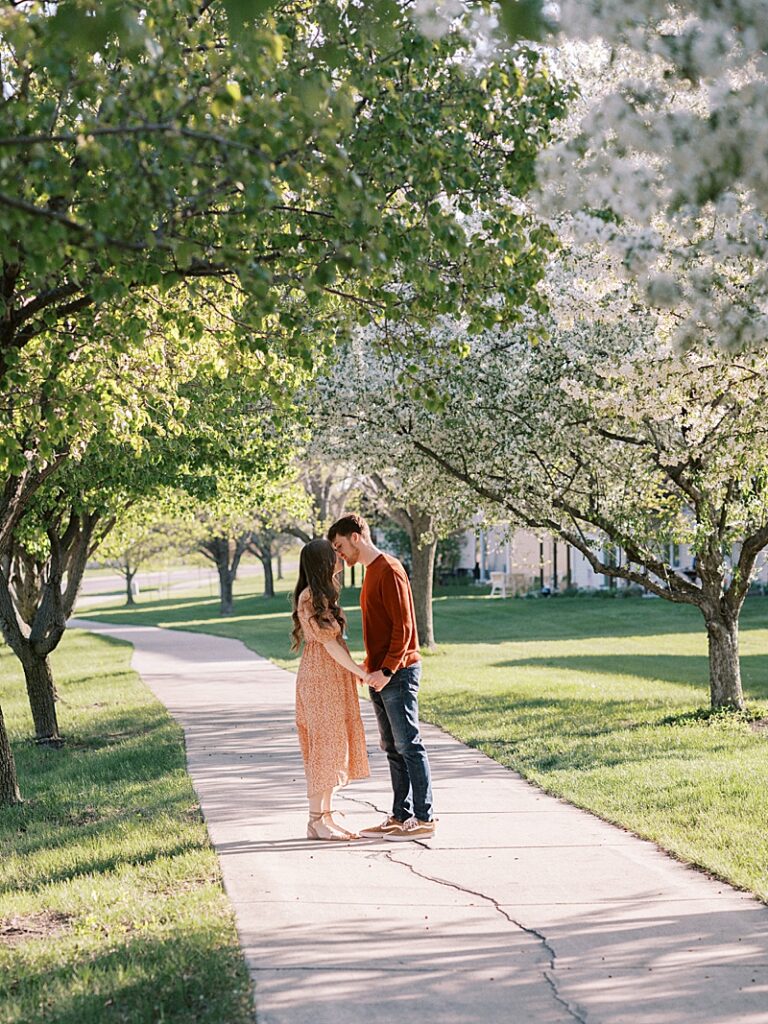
(328,719)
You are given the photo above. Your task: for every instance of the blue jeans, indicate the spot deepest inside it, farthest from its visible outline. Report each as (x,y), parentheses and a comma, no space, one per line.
(397,714)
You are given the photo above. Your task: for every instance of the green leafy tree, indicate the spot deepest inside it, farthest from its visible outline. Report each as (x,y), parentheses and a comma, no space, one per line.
(285,166)
(140,535)
(202,418)
(242,514)
(43,564)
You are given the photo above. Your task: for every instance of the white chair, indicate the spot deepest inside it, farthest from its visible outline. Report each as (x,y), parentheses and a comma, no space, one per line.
(498,584)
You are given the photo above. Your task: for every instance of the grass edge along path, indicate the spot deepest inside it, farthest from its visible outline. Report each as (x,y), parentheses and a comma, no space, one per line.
(597,701)
(111,901)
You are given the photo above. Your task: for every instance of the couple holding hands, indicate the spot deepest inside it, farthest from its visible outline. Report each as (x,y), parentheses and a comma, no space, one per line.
(327,707)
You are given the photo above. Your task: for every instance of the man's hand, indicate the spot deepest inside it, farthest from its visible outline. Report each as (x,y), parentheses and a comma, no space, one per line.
(377,680)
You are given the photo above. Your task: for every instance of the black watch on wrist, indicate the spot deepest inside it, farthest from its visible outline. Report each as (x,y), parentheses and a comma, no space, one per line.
(387,672)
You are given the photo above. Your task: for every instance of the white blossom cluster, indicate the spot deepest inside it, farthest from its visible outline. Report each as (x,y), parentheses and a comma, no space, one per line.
(436,17)
(665,161)
(365,421)
(479,24)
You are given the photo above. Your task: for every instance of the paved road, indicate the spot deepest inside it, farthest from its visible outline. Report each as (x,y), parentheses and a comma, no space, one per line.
(523,910)
(106,589)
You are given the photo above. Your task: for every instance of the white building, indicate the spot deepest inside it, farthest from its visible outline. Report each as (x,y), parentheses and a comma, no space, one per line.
(531,561)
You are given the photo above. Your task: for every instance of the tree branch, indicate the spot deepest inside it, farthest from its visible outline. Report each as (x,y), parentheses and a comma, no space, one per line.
(13,632)
(750,549)
(42,301)
(677,589)
(148,128)
(82,229)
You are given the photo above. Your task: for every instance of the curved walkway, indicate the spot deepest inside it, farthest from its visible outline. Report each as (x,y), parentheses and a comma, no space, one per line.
(523,910)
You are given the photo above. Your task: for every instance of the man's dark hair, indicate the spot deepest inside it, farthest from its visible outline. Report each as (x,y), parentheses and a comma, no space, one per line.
(349,524)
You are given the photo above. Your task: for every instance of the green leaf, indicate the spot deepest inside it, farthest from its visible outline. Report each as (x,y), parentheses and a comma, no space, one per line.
(240,13)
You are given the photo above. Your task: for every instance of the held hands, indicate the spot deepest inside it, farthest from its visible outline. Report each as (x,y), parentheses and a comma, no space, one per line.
(377,680)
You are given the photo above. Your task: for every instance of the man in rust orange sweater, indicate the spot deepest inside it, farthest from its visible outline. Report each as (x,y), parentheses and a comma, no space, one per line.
(394,668)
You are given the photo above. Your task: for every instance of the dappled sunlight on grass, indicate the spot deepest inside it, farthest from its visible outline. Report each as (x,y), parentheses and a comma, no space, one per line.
(111,841)
(149,608)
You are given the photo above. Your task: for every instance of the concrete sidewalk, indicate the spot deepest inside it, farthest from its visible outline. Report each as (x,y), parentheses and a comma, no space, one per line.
(523,910)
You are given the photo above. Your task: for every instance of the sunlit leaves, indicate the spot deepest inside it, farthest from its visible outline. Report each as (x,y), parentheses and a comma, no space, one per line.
(204,186)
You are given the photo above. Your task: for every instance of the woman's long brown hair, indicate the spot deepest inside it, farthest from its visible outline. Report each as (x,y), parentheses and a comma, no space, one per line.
(316,571)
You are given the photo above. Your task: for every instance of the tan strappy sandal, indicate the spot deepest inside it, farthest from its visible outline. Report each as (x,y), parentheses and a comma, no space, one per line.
(342,828)
(318,828)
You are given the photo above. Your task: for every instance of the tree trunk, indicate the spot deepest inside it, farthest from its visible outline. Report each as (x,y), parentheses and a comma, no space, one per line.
(269,581)
(226,580)
(37,670)
(129,586)
(35,605)
(225,553)
(724,667)
(279,565)
(9,788)
(42,696)
(421,582)
(261,544)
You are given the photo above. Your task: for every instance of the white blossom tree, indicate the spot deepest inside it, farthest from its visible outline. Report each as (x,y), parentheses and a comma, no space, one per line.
(598,436)
(663,156)
(666,52)
(628,176)
(358,397)
(713,51)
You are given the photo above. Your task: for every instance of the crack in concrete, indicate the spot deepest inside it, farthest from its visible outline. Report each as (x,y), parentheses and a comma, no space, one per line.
(577,1013)
(357,800)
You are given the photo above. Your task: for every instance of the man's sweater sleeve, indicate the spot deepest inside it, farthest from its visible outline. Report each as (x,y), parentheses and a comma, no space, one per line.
(396,600)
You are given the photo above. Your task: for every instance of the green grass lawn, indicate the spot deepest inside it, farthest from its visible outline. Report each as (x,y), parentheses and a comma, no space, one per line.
(596,700)
(111,903)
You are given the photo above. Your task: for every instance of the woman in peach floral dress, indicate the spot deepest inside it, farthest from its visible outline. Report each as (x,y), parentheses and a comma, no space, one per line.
(328,718)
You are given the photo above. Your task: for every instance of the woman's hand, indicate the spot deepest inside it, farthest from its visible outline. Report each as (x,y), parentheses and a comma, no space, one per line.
(338,651)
